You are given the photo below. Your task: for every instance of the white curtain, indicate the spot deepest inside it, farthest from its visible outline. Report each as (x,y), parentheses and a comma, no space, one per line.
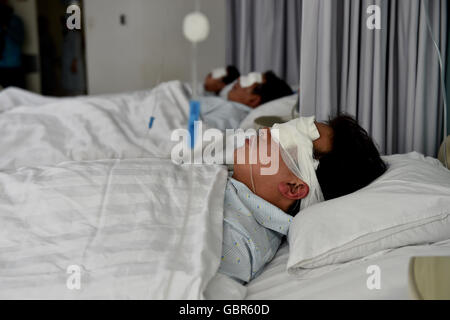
(389,79)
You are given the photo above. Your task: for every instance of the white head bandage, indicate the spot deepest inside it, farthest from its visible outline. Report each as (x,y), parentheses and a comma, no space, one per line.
(219,73)
(251,79)
(296,141)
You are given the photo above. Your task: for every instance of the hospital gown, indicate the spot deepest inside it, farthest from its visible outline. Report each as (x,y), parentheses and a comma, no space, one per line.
(222,114)
(252,232)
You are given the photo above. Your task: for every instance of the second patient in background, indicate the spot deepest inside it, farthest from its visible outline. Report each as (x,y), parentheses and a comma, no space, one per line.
(220,81)
(229,97)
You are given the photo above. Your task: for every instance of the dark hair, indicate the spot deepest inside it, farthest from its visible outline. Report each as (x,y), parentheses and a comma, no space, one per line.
(273,88)
(353,163)
(232,75)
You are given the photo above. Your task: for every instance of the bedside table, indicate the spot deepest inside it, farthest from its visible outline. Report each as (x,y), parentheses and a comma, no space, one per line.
(429,278)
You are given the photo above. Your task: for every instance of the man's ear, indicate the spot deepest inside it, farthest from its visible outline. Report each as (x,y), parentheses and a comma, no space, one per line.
(293,191)
(254,101)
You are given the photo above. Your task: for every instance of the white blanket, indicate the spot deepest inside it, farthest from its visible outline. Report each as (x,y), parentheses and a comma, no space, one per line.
(14,97)
(136,229)
(38,131)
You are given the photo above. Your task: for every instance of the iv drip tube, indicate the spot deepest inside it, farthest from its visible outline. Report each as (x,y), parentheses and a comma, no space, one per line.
(195,29)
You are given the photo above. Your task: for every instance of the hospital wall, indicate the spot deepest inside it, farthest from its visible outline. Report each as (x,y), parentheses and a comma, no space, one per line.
(150,47)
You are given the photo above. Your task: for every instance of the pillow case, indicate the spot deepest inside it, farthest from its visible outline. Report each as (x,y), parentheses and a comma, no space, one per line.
(281,107)
(408,205)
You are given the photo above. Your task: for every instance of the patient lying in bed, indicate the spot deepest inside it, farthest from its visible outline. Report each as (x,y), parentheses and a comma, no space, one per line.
(248,93)
(220,81)
(259,209)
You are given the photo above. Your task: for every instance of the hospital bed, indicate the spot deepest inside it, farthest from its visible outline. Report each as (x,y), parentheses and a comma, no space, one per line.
(130,125)
(90,128)
(115,219)
(347,281)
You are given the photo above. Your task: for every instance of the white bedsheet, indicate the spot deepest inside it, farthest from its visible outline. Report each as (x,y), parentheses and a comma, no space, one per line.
(138,229)
(346,281)
(92,128)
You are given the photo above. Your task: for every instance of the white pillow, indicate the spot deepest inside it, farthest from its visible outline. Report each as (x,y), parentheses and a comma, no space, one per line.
(281,108)
(408,205)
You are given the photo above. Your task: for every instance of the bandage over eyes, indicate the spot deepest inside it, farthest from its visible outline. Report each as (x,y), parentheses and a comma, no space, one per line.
(296,147)
(219,73)
(251,79)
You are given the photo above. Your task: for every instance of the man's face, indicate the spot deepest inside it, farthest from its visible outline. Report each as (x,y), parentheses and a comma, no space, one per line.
(269,172)
(213,85)
(262,152)
(260,160)
(245,95)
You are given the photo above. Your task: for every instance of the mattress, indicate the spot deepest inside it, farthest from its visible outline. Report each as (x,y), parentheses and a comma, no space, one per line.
(346,281)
